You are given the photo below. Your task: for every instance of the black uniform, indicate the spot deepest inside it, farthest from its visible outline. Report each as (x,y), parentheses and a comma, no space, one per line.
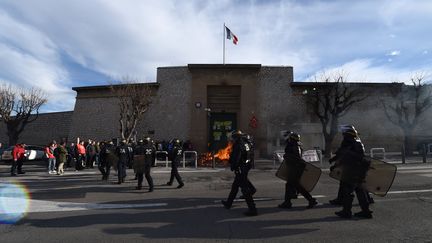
(175,156)
(247,139)
(351,157)
(107,154)
(293,158)
(241,164)
(345,145)
(148,150)
(123,155)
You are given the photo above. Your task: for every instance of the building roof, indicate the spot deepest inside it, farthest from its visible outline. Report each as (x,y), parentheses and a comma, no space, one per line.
(224,66)
(364,84)
(104,87)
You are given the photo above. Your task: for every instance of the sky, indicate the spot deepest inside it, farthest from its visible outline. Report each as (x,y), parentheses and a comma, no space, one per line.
(55,45)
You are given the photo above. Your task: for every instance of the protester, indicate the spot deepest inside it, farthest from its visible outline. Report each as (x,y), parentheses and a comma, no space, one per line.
(18,154)
(49,153)
(81,153)
(61,153)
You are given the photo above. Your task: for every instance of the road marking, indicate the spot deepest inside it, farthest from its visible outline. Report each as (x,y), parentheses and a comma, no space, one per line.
(415,171)
(409,191)
(413,167)
(189,171)
(426,175)
(39,206)
(267,198)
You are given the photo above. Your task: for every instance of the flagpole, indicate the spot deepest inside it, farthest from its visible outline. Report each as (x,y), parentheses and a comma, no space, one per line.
(224,44)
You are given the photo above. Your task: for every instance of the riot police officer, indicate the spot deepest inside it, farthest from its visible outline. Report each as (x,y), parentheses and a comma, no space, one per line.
(107,159)
(293,158)
(175,155)
(354,166)
(248,139)
(146,149)
(241,164)
(123,155)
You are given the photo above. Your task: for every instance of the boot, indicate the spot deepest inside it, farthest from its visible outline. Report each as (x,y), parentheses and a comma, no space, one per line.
(344,214)
(364,214)
(226,204)
(336,202)
(285,205)
(312,203)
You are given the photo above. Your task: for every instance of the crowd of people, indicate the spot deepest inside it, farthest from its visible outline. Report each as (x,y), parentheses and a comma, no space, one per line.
(141,157)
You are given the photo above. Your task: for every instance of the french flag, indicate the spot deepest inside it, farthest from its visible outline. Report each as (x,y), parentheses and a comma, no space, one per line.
(230,35)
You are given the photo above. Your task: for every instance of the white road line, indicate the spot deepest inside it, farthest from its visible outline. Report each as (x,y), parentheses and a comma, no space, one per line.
(415,171)
(414,167)
(409,191)
(189,171)
(426,175)
(268,198)
(38,206)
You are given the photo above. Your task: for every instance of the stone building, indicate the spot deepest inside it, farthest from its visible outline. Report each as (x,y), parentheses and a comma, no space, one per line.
(204,102)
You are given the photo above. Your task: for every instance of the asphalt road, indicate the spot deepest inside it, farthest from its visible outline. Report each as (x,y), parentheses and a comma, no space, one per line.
(79,207)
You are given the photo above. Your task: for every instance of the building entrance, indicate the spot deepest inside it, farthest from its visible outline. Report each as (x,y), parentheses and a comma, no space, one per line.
(221,125)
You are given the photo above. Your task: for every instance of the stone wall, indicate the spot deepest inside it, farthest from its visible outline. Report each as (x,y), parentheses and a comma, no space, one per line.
(277,108)
(47,127)
(96,110)
(169,115)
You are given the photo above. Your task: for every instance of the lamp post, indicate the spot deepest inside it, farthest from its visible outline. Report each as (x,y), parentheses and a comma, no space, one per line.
(208,110)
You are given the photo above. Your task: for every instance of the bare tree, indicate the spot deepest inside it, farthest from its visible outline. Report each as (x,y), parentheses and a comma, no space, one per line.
(19,107)
(408,104)
(331,97)
(134,100)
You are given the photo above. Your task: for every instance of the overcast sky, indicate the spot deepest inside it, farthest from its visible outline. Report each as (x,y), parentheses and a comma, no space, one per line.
(59,44)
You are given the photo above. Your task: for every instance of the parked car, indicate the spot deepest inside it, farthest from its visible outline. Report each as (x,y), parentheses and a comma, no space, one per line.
(32,152)
(7,154)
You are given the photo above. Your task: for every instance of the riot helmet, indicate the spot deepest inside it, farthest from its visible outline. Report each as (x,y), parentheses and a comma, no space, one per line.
(349,130)
(176,142)
(291,136)
(140,142)
(236,134)
(294,137)
(147,140)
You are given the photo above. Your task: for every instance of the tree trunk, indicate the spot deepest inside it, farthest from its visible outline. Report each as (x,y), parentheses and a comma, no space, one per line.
(407,143)
(13,136)
(328,139)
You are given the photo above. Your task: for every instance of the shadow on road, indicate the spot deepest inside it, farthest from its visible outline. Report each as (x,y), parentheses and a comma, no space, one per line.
(185,218)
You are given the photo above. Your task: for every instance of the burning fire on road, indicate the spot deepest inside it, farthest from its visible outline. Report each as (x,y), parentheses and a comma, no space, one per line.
(220,158)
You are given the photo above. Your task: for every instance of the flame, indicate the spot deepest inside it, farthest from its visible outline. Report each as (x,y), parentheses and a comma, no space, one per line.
(221,156)
(224,154)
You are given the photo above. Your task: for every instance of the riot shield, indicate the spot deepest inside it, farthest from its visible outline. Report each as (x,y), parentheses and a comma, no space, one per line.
(379,177)
(139,163)
(310,177)
(306,173)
